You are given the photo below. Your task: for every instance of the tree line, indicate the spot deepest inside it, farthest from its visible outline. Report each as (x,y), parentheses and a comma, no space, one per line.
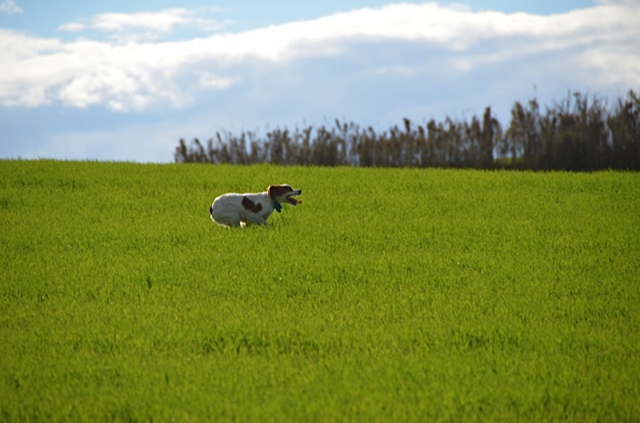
(579,133)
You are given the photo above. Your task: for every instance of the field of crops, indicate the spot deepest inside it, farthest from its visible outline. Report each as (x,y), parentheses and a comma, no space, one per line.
(387,295)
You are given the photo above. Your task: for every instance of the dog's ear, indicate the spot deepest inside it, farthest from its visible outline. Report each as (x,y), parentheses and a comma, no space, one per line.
(269,190)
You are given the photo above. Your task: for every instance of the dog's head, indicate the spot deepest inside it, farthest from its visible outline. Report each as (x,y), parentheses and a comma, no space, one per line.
(284,194)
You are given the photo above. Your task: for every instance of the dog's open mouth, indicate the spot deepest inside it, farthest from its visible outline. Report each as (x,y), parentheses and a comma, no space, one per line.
(291,200)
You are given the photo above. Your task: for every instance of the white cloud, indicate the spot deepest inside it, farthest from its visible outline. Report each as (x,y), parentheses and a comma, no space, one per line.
(10,7)
(129,27)
(140,75)
(72,27)
(209,80)
(623,2)
(163,21)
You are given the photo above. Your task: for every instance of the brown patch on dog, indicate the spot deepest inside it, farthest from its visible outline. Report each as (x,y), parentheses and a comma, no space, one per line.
(248,204)
(211,209)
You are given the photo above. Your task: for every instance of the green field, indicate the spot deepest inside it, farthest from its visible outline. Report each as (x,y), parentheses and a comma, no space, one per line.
(387,295)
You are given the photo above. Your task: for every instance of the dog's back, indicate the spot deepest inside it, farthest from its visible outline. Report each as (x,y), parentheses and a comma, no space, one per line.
(227,210)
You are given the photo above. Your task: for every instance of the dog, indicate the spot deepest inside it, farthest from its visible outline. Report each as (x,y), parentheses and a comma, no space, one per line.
(231,210)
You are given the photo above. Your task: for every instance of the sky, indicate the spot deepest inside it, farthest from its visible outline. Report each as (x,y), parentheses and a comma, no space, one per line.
(126,80)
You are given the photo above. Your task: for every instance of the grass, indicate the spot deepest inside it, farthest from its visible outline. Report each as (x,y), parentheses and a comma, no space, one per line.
(388,295)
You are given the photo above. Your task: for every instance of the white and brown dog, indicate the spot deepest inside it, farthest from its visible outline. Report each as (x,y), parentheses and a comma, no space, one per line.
(244,209)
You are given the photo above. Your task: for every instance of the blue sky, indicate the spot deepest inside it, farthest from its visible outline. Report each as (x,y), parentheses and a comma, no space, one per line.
(125,80)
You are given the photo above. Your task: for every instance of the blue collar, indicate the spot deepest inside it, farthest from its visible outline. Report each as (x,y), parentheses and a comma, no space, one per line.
(276,205)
